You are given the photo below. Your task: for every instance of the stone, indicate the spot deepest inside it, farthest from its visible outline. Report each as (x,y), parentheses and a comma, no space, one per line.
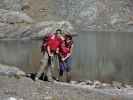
(89,82)
(7,16)
(96,15)
(38,30)
(128,86)
(12,98)
(81,13)
(13,31)
(82,83)
(10,71)
(106,85)
(15,5)
(97,84)
(73,82)
(43,28)
(117,85)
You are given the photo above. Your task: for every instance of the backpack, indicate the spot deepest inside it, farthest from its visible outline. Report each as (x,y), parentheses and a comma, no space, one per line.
(44,43)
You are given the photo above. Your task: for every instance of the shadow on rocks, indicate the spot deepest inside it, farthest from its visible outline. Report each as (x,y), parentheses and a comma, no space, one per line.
(32,76)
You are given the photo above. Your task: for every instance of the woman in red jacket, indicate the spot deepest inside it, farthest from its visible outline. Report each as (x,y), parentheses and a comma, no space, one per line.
(66,57)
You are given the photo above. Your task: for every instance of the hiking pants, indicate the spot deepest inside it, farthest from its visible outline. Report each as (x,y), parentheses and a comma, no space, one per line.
(49,66)
(43,65)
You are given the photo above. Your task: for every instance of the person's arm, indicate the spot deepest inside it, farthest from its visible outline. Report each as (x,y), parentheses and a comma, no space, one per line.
(44,43)
(49,51)
(69,54)
(57,50)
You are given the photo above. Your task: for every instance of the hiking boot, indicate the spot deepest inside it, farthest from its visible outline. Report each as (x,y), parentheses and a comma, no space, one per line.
(68,77)
(36,79)
(50,79)
(60,79)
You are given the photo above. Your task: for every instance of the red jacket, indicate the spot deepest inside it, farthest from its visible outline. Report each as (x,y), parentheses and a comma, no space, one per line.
(54,42)
(64,51)
(65,48)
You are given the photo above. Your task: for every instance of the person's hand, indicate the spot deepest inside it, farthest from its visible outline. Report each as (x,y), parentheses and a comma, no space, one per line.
(51,55)
(63,59)
(57,51)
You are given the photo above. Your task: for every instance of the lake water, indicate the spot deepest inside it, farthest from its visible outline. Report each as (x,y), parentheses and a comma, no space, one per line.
(97,55)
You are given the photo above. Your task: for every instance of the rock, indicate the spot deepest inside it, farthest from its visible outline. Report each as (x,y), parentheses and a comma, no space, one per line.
(12,98)
(5,28)
(73,82)
(89,82)
(19,33)
(25,6)
(48,98)
(128,86)
(82,83)
(97,84)
(15,5)
(117,85)
(82,14)
(106,85)
(26,89)
(10,71)
(104,15)
(13,31)
(93,15)
(43,28)
(7,16)
(114,15)
(34,31)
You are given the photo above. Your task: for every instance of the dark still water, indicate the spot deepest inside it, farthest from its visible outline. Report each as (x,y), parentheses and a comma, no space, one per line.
(97,55)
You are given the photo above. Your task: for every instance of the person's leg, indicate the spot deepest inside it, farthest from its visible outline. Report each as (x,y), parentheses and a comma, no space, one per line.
(68,76)
(50,73)
(68,63)
(61,70)
(55,67)
(43,66)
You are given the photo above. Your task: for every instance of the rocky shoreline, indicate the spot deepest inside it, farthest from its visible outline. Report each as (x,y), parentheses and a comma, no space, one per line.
(24,88)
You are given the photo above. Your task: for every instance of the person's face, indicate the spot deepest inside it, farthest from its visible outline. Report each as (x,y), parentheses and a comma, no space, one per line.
(63,45)
(58,32)
(68,40)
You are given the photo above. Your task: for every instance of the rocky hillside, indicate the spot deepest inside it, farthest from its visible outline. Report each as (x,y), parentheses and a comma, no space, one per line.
(18,18)
(98,15)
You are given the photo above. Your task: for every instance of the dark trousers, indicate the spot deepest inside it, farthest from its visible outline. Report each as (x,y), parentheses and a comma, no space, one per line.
(65,65)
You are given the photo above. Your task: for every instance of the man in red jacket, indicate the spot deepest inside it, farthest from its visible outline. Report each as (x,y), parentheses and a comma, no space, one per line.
(51,49)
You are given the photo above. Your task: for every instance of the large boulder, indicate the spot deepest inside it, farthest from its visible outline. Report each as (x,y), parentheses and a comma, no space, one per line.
(10,71)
